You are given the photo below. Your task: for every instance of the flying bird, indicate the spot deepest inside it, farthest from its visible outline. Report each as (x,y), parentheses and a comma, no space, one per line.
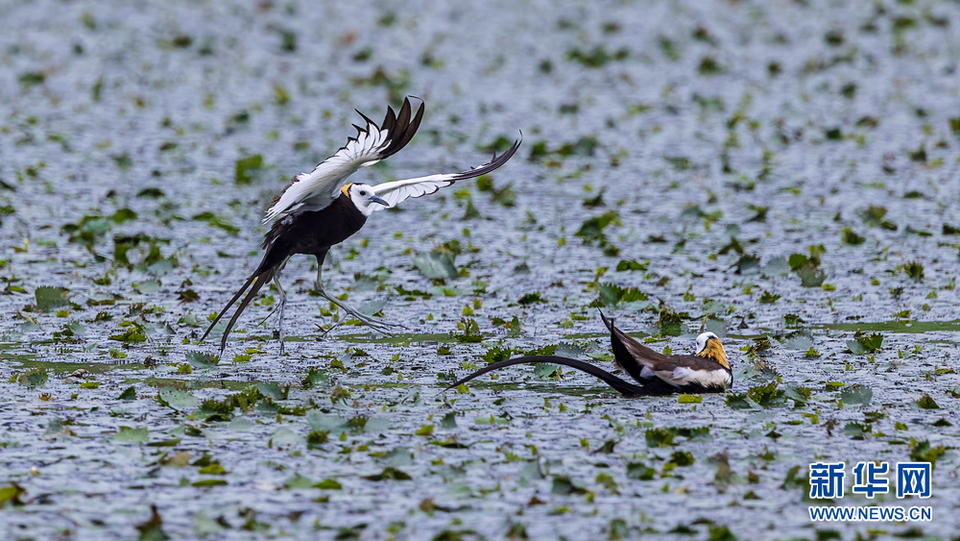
(707,371)
(319,210)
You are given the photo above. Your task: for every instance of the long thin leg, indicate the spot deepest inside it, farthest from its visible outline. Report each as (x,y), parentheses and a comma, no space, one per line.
(379,326)
(283,303)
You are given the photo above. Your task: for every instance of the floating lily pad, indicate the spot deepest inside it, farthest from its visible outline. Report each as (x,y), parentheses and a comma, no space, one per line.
(177,399)
(856,395)
(33,378)
(200,359)
(435,265)
(132,435)
(50,298)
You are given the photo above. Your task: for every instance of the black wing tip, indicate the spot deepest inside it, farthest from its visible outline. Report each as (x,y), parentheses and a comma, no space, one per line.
(402,130)
(366,119)
(495,163)
(510,151)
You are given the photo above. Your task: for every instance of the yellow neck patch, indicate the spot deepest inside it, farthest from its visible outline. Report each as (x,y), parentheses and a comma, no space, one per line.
(346,189)
(714,350)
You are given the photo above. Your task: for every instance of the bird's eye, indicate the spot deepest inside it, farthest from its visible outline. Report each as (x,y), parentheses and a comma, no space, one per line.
(363,192)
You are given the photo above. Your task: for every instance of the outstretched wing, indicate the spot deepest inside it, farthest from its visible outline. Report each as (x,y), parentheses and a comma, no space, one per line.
(400,190)
(318,189)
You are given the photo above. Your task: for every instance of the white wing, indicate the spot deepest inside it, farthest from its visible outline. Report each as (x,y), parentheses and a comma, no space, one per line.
(400,190)
(318,189)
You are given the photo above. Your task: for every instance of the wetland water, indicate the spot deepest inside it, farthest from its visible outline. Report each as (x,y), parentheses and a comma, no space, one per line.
(784,174)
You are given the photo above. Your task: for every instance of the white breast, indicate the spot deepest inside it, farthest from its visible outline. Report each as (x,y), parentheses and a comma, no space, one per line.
(687,376)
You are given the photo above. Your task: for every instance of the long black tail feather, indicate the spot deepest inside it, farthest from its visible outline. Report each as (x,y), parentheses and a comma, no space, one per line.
(621,386)
(261,279)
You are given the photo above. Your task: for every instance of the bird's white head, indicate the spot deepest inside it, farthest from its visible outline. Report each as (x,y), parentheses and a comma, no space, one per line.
(709,346)
(364,198)
(702,340)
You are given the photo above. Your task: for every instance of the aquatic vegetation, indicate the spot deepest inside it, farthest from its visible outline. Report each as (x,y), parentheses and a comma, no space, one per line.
(692,167)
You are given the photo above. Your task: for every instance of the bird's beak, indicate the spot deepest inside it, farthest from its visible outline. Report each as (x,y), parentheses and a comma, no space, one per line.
(377,199)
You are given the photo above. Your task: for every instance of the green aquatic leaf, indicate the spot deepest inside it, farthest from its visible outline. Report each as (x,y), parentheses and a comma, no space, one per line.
(435,265)
(50,298)
(133,335)
(200,359)
(681,459)
(660,437)
(123,215)
(209,483)
(389,474)
(130,393)
(924,452)
(33,378)
(328,484)
(592,229)
(563,486)
(927,402)
(323,422)
(632,265)
(799,394)
(298,481)
(11,495)
(914,270)
(152,529)
(217,221)
(283,437)
(739,401)
(177,399)
(810,277)
(856,431)
(165,443)
(865,343)
(612,294)
(694,434)
(530,298)
(798,261)
(315,377)
(512,326)
(856,395)
(449,420)
(545,370)
(273,390)
(848,236)
(639,470)
(767,396)
(133,435)
(246,168)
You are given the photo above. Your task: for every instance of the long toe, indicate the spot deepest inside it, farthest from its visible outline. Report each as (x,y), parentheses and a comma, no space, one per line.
(376,325)
(325,332)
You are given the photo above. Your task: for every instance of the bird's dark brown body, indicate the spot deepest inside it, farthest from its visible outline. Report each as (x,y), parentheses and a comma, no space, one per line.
(311,232)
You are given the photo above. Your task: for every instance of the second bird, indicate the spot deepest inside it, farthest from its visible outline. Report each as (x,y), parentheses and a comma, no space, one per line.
(319,209)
